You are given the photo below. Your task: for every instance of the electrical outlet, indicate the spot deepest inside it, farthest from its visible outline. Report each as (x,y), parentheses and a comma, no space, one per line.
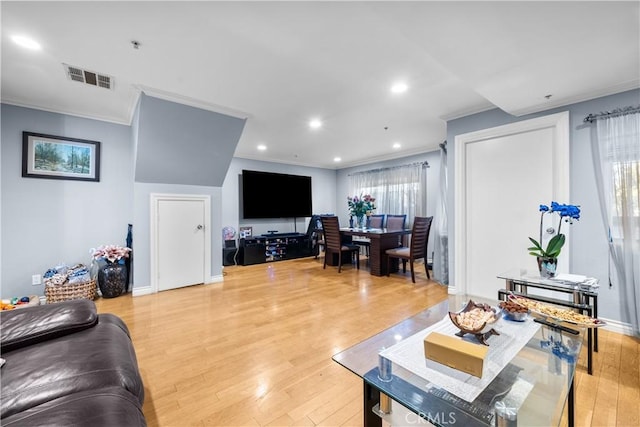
(36,279)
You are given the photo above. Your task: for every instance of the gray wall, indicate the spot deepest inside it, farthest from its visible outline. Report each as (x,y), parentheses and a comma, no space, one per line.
(323,185)
(179,150)
(47,221)
(588,242)
(178,144)
(142,229)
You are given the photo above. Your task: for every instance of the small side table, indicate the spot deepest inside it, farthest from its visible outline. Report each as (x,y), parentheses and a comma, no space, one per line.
(585,298)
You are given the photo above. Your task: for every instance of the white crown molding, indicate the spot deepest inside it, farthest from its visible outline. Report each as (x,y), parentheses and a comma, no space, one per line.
(118,121)
(561,102)
(192,102)
(468,112)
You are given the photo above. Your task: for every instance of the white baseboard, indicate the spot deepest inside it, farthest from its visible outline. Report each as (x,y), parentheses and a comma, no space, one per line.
(216,279)
(146,290)
(139,291)
(618,327)
(452,290)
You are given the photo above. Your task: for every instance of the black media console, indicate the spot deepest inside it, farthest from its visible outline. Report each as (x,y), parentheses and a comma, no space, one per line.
(274,247)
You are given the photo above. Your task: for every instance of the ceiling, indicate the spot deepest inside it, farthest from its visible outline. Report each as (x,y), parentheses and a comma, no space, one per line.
(281,64)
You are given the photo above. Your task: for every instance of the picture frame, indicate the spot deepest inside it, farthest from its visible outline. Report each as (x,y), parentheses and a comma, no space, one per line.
(246,232)
(58,157)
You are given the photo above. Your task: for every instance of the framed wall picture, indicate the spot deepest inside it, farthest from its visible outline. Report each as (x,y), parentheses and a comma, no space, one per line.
(58,157)
(246,232)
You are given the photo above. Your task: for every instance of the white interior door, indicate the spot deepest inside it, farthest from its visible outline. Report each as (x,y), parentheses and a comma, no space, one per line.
(507,172)
(181,242)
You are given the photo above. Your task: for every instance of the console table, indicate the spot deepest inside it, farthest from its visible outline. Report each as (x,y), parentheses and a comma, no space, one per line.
(584,298)
(403,391)
(274,247)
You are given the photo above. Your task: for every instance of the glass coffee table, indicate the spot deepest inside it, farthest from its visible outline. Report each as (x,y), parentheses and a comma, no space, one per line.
(531,389)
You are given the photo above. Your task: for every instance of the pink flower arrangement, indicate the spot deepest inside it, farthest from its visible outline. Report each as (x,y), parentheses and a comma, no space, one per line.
(360,206)
(111,253)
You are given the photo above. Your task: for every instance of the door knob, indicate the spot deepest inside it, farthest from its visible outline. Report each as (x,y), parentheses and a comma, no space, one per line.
(200,227)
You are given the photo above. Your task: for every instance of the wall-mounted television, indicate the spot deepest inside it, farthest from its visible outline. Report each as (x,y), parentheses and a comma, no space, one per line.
(275,195)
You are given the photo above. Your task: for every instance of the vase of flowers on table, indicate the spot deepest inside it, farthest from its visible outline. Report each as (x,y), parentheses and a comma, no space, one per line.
(361,207)
(112,273)
(548,257)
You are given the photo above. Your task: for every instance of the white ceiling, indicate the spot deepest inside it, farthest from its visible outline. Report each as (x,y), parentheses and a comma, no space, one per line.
(280,64)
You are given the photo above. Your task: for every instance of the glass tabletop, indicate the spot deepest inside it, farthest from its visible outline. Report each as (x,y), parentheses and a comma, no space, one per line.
(566,282)
(535,383)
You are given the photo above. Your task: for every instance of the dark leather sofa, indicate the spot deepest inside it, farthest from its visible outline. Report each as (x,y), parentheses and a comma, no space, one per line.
(67,365)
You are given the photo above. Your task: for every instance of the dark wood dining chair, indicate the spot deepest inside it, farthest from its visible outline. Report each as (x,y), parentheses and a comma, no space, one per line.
(416,250)
(375,221)
(316,235)
(395,223)
(333,242)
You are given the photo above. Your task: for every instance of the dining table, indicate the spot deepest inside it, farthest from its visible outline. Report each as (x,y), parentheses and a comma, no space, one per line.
(381,239)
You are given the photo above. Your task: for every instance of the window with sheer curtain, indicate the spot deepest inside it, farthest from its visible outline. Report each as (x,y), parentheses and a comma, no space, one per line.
(616,151)
(397,190)
(624,184)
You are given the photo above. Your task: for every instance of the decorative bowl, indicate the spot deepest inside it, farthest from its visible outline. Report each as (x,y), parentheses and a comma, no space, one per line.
(514,311)
(515,317)
(475,318)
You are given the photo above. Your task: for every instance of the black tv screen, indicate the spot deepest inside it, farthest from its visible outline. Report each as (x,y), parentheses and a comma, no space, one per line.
(275,195)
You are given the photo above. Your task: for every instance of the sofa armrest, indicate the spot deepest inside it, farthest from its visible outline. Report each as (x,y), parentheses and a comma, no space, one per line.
(27,326)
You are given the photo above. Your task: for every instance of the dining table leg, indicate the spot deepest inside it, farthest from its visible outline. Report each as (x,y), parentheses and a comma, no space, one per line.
(378,256)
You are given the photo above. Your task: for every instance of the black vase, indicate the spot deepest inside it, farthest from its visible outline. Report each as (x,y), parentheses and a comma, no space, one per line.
(112,280)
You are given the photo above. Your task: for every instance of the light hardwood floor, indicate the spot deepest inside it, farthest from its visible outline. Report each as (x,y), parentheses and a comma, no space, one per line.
(256,349)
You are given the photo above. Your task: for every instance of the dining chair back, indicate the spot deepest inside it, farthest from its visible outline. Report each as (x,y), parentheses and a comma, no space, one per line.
(416,250)
(376,221)
(396,222)
(315,233)
(333,242)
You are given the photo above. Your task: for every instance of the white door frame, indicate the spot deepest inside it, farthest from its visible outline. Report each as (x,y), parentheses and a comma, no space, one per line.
(558,123)
(155,199)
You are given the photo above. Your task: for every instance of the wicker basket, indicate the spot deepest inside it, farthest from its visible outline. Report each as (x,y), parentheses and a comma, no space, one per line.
(70,291)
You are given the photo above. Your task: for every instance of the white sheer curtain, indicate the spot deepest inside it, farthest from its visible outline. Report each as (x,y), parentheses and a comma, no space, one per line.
(397,190)
(441,240)
(616,152)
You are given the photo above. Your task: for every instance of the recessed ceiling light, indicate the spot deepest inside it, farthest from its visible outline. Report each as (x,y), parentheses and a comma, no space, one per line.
(315,124)
(396,145)
(262,147)
(26,42)
(399,87)
(337,159)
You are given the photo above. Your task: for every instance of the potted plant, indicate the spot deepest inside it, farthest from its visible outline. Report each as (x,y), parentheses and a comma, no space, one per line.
(548,257)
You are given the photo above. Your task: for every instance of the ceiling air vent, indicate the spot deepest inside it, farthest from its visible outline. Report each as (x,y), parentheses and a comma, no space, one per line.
(77,74)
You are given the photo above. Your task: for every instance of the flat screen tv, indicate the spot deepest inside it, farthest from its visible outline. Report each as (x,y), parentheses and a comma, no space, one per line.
(275,195)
